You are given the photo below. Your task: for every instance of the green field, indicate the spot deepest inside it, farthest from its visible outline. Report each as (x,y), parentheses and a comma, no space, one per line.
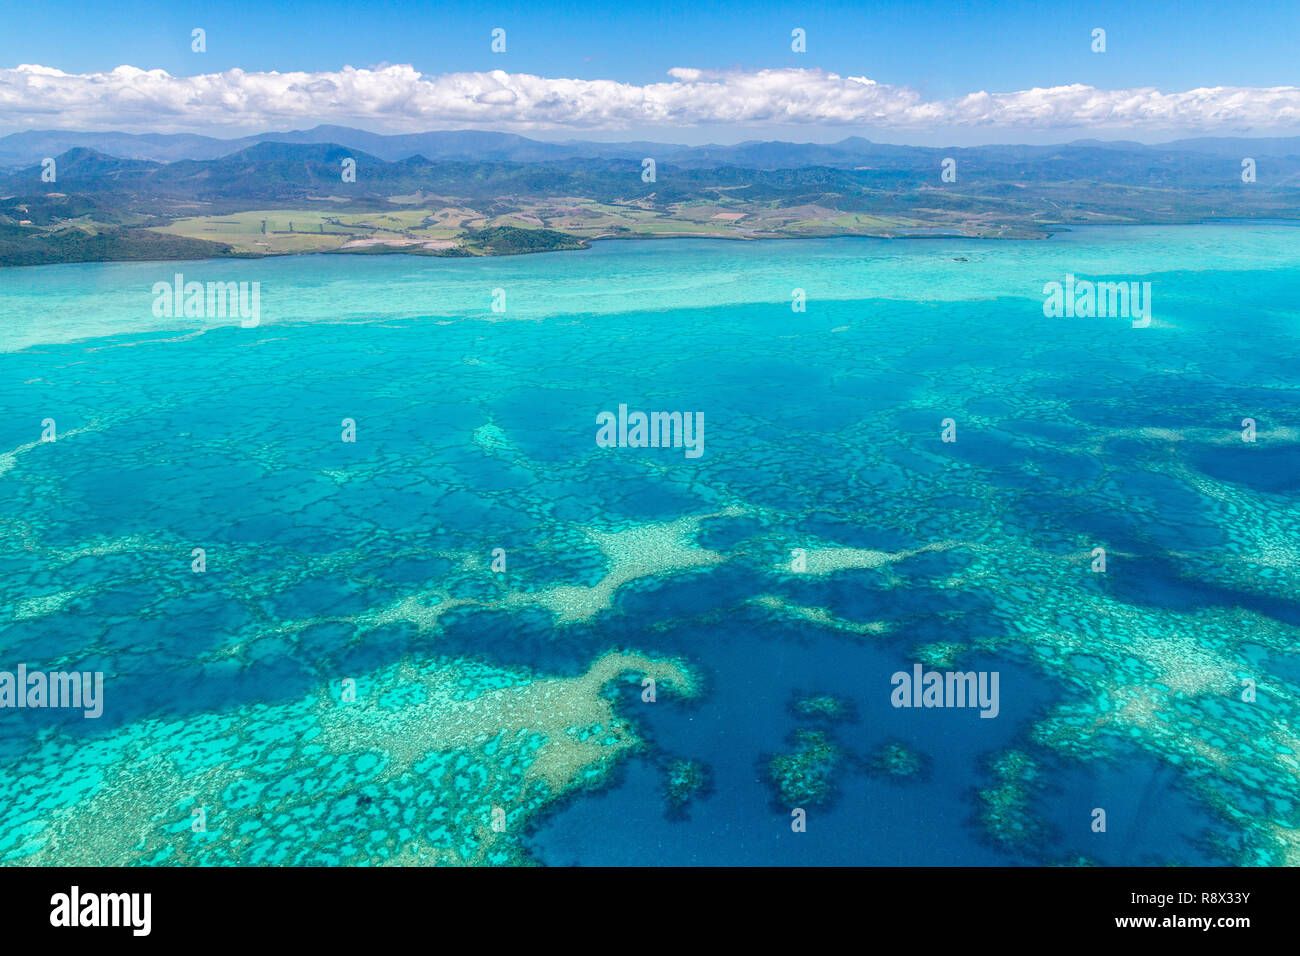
(409,227)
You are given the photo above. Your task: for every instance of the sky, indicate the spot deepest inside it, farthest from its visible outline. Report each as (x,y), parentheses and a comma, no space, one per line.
(719,71)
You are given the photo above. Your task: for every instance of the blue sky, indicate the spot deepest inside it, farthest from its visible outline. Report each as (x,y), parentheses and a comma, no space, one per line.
(940,50)
(947,47)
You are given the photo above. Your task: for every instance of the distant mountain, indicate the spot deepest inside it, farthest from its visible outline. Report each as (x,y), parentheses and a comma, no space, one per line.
(1240,147)
(24,149)
(277,172)
(82,164)
(456,145)
(28,148)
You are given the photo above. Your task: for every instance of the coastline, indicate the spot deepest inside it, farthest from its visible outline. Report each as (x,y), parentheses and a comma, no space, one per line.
(416,248)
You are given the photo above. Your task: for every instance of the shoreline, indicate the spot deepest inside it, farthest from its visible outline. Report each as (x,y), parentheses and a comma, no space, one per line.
(416,250)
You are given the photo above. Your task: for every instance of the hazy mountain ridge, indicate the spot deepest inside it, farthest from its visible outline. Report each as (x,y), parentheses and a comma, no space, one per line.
(30,147)
(278,172)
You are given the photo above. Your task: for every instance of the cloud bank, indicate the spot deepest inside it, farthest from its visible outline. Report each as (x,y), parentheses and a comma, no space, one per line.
(401,98)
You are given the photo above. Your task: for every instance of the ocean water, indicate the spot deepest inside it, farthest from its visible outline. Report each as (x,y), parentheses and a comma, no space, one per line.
(349,675)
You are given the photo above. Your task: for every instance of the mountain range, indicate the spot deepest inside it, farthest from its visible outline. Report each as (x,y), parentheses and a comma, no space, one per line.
(30,147)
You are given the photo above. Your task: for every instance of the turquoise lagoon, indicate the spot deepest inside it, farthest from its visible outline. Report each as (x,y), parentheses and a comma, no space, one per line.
(350,681)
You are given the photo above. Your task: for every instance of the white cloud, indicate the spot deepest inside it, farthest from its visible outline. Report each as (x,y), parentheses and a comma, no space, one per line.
(401,98)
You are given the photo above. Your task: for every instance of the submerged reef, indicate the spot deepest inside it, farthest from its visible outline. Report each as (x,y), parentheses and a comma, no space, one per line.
(817,616)
(1004,811)
(440,762)
(897,761)
(685,780)
(805,776)
(823,706)
(940,655)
